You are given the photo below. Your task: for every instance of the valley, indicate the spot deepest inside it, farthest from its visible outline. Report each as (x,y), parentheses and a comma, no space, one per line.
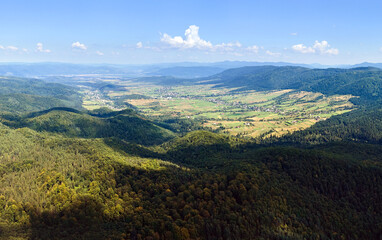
(102,156)
(190,120)
(239,113)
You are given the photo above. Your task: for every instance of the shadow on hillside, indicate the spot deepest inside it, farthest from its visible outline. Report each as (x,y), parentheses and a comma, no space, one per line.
(88,216)
(13,231)
(84,218)
(204,156)
(132,148)
(153,201)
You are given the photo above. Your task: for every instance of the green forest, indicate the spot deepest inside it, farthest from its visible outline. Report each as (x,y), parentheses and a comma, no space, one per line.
(71,173)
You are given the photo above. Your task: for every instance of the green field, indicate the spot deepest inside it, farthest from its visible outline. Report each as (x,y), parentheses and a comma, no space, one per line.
(239,113)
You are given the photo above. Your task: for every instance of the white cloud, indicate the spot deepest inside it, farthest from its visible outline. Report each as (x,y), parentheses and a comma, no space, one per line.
(303,49)
(294,34)
(13,49)
(322,47)
(192,40)
(10,48)
(254,49)
(273,54)
(227,46)
(332,51)
(40,48)
(139,45)
(78,45)
(99,53)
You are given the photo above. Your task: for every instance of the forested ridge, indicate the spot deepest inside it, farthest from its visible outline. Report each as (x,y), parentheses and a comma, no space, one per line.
(126,125)
(362,125)
(68,188)
(365,82)
(29,95)
(69,173)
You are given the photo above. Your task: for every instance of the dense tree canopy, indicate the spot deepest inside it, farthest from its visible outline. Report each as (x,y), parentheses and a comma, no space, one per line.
(66,173)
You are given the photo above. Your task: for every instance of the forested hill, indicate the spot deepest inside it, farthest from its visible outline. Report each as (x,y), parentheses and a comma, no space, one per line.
(67,173)
(363,82)
(361,125)
(126,125)
(55,187)
(27,95)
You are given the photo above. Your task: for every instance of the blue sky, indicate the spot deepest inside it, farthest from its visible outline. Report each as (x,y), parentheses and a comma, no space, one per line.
(155,31)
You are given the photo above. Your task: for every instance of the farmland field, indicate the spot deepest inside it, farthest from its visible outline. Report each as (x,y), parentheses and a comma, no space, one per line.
(238,113)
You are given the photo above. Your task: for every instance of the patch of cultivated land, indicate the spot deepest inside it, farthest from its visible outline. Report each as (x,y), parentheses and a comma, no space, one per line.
(239,113)
(95,99)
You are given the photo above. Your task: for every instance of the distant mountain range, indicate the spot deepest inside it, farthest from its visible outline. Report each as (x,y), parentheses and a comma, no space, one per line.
(367,64)
(181,69)
(188,72)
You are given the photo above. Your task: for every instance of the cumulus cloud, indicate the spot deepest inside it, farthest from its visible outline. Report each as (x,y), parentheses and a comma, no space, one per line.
(40,48)
(303,49)
(99,53)
(254,49)
(322,47)
(273,54)
(80,46)
(192,39)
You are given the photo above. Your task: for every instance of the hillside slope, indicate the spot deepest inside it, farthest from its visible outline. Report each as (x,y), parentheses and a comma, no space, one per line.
(27,95)
(363,82)
(70,174)
(362,125)
(68,188)
(126,125)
